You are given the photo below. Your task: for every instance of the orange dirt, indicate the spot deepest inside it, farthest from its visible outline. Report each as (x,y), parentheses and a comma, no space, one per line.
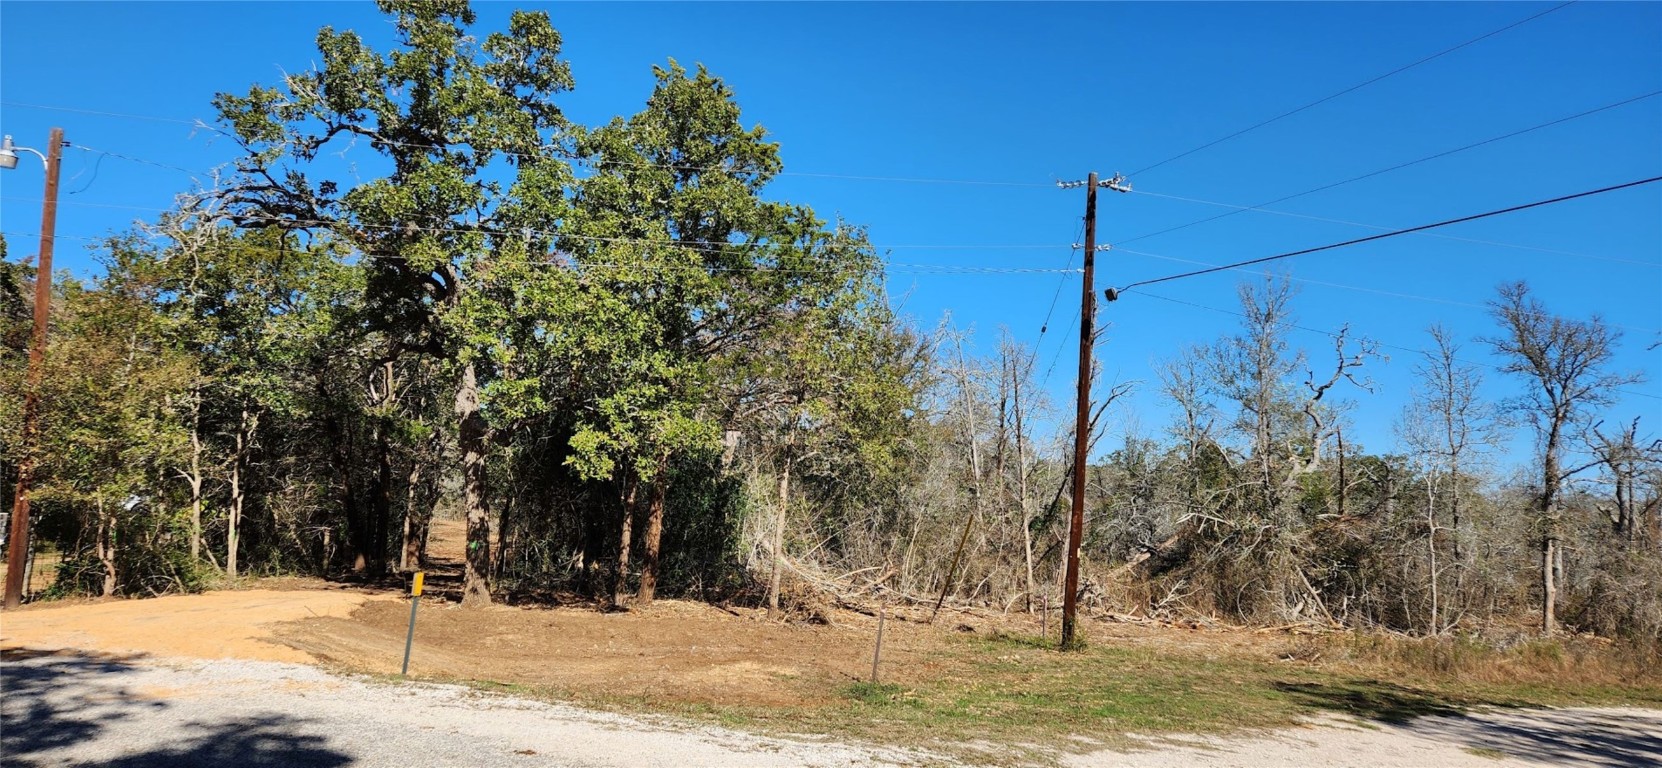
(232,624)
(670,652)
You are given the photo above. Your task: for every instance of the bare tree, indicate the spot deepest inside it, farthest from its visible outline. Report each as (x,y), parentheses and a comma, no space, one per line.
(1565,363)
(1626,459)
(1448,426)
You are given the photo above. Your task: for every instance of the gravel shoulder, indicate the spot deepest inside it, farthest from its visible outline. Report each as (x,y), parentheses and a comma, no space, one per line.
(1580,737)
(70,708)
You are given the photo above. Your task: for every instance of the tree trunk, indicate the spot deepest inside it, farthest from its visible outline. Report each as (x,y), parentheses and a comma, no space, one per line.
(473,440)
(777,547)
(106,546)
(235,521)
(1550,479)
(500,533)
(975,478)
(594,547)
(654,533)
(409,554)
(341,451)
(195,478)
(620,575)
(381,525)
(1433,626)
(381,520)
(1021,487)
(1549,555)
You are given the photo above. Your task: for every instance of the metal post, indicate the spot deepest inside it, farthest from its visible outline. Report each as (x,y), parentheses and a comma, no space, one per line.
(17,549)
(877,653)
(409,637)
(1082,418)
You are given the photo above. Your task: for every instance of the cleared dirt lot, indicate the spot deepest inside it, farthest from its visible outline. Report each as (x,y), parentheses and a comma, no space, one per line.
(216,625)
(115,682)
(738,688)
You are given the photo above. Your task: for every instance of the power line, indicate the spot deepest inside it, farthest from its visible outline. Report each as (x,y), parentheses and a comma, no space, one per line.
(1061,341)
(1333,335)
(579,160)
(1438,235)
(100,113)
(1396,167)
(704,245)
(1056,357)
(1395,233)
(1361,289)
(139,160)
(1045,326)
(1356,87)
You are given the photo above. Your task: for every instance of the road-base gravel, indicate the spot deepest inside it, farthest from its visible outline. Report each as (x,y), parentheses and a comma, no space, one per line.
(66,708)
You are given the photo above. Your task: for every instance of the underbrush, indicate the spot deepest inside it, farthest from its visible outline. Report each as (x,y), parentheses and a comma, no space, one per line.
(1583,661)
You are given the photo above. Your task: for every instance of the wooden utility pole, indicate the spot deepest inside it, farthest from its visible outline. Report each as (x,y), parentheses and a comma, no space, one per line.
(1082,412)
(17,550)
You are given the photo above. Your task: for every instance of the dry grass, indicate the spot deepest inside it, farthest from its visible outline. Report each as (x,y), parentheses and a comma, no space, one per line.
(968,682)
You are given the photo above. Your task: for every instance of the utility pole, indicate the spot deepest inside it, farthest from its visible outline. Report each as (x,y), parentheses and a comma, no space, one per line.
(1082,414)
(17,550)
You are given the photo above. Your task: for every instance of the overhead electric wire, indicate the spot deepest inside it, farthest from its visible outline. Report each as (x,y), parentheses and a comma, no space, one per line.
(1396,167)
(140,160)
(1370,339)
(1353,88)
(1438,235)
(1038,344)
(101,113)
(692,245)
(1056,356)
(1382,236)
(1060,284)
(578,160)
(1358,288)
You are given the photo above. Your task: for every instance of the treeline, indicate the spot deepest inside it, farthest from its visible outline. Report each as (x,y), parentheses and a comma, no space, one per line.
(631,372)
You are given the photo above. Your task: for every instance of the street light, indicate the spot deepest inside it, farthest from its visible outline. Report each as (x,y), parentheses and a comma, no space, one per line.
(8,154)
(17,548)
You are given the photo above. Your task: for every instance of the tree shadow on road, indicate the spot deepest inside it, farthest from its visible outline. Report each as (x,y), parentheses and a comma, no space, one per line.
(1605,738)
(58,704)
(1610,738)
(253,742)
(1377,700)
(45,698)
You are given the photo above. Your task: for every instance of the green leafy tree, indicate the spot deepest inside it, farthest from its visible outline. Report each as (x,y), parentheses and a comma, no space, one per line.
(686,272)
(469,127)
(112,434)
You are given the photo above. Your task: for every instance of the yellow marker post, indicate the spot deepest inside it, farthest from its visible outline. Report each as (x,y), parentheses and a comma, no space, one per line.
(415,600)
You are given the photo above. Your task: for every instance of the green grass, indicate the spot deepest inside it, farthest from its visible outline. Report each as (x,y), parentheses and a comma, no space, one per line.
(873,693)
(1014,690)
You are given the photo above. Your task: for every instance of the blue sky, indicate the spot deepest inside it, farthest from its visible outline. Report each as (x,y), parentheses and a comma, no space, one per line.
(1023,95)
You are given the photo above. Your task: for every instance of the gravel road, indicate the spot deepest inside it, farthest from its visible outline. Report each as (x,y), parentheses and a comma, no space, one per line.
(72,708)
(66,708)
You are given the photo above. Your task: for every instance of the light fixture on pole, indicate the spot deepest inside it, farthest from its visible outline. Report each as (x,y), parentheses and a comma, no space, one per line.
(8,154)
(17,547)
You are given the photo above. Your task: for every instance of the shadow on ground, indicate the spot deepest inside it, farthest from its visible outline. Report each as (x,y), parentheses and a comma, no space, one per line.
(67,700)
(1609,738)
(1617,738)
(1377,700)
